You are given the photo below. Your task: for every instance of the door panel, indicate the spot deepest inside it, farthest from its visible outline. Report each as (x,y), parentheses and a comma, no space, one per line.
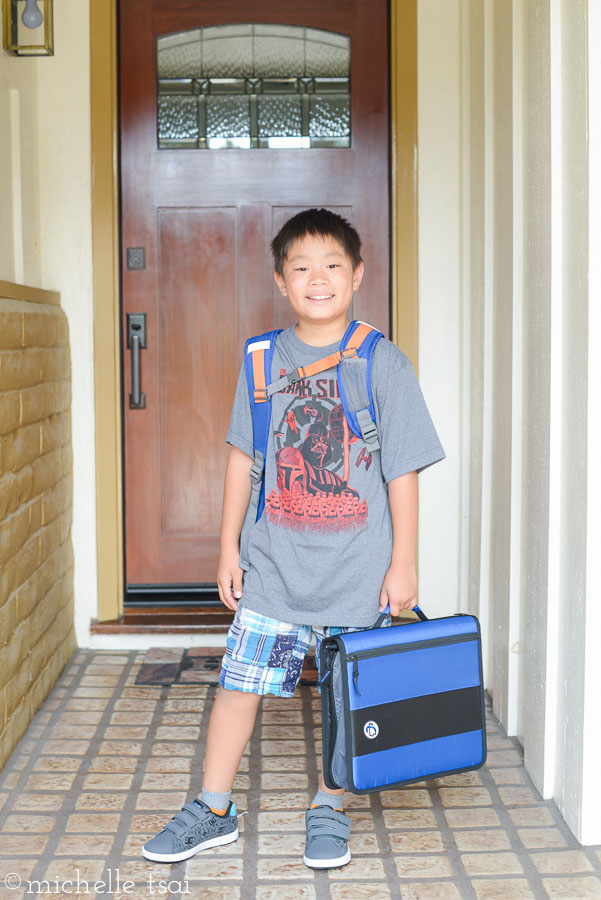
(196,261)
(205,219)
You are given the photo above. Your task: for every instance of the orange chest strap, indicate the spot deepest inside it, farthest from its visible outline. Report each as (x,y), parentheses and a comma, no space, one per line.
(263,392)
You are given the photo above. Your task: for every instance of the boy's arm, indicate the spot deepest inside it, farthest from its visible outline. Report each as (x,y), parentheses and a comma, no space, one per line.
(236,494)
(399,588)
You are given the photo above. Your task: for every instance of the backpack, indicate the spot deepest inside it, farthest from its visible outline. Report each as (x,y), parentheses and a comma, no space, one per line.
(353,360)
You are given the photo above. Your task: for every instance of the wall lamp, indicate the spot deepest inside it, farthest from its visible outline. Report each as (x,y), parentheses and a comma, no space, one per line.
(28,29)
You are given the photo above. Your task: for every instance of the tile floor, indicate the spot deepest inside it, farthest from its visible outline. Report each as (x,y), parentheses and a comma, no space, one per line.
(106,762)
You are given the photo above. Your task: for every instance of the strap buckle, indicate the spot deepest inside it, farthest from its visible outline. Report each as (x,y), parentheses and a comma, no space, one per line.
(370,433)
(369,429)
(348,352)
(261,395)
(256,471)
(294,375)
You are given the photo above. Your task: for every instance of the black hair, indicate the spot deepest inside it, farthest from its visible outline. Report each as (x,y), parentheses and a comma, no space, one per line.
(321,222)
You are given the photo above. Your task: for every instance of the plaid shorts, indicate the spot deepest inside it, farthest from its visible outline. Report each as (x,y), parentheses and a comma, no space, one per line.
(265,656)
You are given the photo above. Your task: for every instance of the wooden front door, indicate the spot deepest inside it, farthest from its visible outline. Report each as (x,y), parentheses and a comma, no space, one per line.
(215,156)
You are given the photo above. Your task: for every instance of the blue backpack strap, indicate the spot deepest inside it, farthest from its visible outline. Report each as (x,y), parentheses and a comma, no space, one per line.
(354,384)
(258,356)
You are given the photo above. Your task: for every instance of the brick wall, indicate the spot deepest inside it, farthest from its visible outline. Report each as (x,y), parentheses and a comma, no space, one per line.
(36,490)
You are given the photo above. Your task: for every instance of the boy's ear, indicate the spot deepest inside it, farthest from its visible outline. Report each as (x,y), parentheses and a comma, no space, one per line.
(358,275)
(280,283)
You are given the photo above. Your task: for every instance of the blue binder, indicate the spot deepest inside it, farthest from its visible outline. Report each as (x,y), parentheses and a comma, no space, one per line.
(403,703)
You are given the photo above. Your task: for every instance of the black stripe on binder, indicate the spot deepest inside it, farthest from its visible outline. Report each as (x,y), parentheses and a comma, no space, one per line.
(417,719)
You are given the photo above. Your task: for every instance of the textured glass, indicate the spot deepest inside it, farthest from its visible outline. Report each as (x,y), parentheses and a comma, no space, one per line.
(279,116)
(327,53)
(227,51)
(179,55)
(279,56)
(276,86)
(330,115)
(228,117)
(178,119)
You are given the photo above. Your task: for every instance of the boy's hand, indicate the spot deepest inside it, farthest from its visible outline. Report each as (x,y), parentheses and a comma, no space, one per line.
(229,579)
(399,588)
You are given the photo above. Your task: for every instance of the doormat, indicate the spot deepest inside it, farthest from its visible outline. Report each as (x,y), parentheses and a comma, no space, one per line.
(196,665)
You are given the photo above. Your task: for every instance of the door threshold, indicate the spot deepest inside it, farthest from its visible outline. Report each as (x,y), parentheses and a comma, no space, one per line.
(167,620)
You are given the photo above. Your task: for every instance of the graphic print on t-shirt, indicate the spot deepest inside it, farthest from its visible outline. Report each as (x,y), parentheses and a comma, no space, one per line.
(312,451)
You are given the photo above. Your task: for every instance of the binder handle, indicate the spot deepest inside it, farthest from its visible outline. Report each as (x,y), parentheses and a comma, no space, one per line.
(386,612)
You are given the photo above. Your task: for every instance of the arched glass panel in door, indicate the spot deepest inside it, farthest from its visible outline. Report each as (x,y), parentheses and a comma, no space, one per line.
(245,86)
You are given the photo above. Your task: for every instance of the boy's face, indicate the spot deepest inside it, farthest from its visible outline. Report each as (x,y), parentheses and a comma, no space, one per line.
(319,280)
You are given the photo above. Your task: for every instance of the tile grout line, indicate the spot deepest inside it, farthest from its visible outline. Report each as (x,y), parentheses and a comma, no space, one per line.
(393,880)
(68,806)
(251,840)
(178,871)
(510,829)
(321,880)
(20,748)
(533,876)
(505,822)
(460,877)
(75,672)
(128,810)
(29,769)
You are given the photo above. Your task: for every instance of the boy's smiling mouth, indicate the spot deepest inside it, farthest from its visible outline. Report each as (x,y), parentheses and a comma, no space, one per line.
(320,298)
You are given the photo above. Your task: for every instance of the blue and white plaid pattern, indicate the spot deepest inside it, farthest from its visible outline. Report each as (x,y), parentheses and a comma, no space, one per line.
(265,656)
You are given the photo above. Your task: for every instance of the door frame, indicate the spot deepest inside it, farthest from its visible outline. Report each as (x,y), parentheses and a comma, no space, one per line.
(104,91)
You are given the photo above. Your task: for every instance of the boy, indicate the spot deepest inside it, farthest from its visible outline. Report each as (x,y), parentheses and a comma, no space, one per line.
(336,542)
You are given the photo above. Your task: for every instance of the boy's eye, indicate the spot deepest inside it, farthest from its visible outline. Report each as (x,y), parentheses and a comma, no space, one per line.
(333,266)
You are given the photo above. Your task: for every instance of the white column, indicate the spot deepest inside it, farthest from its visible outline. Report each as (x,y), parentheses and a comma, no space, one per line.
(488,339)
(515,648)
(555,555)
(590,826)
(440,327)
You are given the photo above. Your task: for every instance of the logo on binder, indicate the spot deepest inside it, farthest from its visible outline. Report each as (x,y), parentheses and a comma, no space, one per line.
(371,729)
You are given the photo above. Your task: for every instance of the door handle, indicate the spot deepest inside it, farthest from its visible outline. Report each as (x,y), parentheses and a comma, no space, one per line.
(136,341)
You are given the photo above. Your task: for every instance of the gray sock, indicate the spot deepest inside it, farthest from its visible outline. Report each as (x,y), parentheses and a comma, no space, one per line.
(321,798)
(214,799)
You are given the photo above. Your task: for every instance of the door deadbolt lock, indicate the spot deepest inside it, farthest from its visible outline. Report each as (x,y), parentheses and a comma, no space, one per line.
(136,341)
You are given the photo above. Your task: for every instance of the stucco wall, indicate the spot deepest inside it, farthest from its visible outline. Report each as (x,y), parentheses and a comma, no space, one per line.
(20,259)
(46,235)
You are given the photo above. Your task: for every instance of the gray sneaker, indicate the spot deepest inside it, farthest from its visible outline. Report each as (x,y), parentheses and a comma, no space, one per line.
(328,831)
(192,829)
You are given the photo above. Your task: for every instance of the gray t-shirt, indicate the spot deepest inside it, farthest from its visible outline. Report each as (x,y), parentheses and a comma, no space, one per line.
(320,551)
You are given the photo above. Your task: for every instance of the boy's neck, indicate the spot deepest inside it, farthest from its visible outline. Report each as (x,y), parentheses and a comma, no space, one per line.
(320,335)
